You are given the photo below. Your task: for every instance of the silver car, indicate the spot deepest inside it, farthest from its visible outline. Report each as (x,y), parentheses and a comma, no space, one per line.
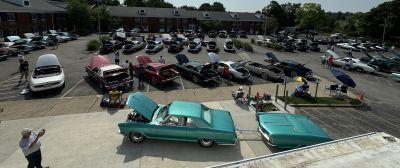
(48,74)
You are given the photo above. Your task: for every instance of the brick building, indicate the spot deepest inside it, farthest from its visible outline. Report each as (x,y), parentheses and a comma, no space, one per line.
(30,16)
(165,19)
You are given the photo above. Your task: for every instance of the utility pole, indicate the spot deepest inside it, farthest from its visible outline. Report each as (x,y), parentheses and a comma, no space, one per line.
(265,27)
(98,17)
(384,31)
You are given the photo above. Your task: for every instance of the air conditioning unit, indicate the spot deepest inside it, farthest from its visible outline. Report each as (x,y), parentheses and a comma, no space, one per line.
(206,15)
(176,13)
(142,12)
(235,15)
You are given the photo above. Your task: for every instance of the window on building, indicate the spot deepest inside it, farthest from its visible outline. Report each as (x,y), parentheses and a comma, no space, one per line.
(169,19)
(26,3)
(12,32)
(137,19)
(162,20)
(185,20)
(34,16)
(10,17)
(35,29)
(145,19)
(1,34)
(43,16)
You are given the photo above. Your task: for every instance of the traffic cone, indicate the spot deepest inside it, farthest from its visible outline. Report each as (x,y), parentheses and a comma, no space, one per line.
(361,97)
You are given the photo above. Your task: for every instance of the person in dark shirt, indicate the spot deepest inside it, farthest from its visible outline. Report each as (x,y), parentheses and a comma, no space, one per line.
(23,69)
(141,74)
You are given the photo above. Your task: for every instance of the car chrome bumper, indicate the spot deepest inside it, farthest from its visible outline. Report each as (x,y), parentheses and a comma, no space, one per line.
(35,88)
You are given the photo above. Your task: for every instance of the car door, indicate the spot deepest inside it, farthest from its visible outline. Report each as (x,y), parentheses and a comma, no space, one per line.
(172,128)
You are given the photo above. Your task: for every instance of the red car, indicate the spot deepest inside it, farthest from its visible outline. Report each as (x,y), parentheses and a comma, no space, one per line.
(158,73)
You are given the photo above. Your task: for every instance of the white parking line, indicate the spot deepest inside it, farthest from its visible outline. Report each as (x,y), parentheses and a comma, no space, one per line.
(9,79)
(7,92)
(12,84)
(183,87)
(71,88)
(1,98)
(148,86)
(13,88)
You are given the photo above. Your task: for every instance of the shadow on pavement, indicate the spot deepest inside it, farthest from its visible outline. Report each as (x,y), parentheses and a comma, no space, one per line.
(176,150)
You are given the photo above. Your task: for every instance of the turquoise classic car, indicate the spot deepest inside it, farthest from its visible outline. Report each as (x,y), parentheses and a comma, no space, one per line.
(178,121)
(284,130)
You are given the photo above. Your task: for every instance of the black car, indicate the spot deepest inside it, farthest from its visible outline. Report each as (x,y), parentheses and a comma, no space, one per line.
(212,34)
(175,46)
(288,46)
(197,71)
(242,34)
(313,46)
(293,69)
(301,45)
(232,34)
(108,46)
(212,46)
(382,64)
(222,34)
(3,55)
(132,46)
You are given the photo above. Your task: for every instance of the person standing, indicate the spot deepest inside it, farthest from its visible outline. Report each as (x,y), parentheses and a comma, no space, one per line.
(21,56)
(126,64)
(323,61)
(141,74)
(54,38)
(130,69)
(330,61)
(116,53)
(161,60)
(30,146)
(23,69)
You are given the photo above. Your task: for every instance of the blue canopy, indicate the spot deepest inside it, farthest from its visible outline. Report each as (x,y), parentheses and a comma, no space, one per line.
(344,78)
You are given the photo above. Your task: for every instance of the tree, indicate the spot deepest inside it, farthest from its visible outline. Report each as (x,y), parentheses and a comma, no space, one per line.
(271,25)
(188,7)
(79,9)
(217,6)
(274,10)
(106,20)
(205,7)
(138,3)
(289,14)
(208,25)
(309,16)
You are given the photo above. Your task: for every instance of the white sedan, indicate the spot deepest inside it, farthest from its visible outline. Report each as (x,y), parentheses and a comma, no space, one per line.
(357,64)
(48,74)
(348,46)
(236,71)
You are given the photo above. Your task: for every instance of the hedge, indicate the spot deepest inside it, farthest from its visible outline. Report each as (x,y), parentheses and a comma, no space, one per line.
(92,45)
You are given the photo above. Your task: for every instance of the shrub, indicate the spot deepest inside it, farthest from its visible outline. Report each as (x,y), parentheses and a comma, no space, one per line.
(248,47)
(104,38)
(92,45)
(238,44)
(252,40)
(274,46)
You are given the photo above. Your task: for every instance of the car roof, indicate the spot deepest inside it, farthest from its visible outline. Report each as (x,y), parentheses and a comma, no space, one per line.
(290,124)
(186,109)
(47,60)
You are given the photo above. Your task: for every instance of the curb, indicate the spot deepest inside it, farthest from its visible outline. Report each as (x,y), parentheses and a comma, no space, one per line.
(326,105)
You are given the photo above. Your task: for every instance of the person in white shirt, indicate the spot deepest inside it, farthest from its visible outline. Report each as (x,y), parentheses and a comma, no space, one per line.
(161,60)
(126,64)
(350,64)
(30,146)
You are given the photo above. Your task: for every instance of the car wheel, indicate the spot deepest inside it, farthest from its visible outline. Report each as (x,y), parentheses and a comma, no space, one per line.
(195,79)
(206,143)
(136,137)
(230,76)
(153,80)
(293,74)
(264,75)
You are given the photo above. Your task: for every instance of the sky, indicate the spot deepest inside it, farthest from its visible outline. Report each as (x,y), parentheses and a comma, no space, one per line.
(254,5)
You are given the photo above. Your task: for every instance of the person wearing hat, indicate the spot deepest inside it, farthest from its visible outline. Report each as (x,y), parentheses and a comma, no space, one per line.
(30,146)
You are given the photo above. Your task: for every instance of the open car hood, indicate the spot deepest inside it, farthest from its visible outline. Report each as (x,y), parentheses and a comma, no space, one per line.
(99,60)
(272,57)
(213,58)
(142,104)
(143,59)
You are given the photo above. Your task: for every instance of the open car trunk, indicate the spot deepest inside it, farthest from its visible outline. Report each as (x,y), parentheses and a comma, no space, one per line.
(116,77)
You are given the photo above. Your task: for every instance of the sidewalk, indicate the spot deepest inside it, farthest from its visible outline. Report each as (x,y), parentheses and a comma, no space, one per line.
(13,110)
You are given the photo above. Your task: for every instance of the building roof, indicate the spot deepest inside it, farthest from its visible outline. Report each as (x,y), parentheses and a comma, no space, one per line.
(36,6)
(121,11)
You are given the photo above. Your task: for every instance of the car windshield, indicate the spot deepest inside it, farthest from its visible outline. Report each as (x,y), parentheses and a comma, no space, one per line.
(206,114)
(47,71)
(235,65)
(162,114)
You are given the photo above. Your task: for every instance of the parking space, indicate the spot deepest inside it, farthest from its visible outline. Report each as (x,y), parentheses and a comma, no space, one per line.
(345,122)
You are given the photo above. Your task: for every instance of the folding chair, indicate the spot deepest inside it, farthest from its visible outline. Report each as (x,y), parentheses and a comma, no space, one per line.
(343,90)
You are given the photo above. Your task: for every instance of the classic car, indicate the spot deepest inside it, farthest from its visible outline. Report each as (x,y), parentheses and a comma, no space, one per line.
(154,46)
(382,64)
(188,33)
(236,70)
(36,43)
(221,34)
(357,64)
(195,45)
(177,121)
(107,74)
(132,46)
(73,36)
(5,47)
(3,55)
(228,46)
(65,36)
(313,46)
(157,72)
(22,46)
(212,46)
(262,40)
(266,71)
(284,130)
(288,46)
(47,74)
(212,34)
(301,45)
(232,34)
(166,39)
(293,69)
(352,46)
(176,45)
(108,46)
(197,71)
(242,34)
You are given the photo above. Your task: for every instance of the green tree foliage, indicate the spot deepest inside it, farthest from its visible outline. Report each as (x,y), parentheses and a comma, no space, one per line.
(106,20)
(373,22)
(272,25)
(208,25)
(309,16)
(188,7)
(79,16)
(289,14)
(274,10)
(216,6)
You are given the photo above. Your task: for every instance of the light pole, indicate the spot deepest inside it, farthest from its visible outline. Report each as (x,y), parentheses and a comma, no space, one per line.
(384,30)
(98,18)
